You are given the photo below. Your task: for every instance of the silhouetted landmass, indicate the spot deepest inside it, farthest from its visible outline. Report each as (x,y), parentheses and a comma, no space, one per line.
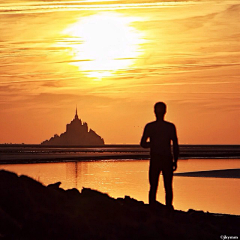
(29,210)
(76,134)
(223,173)
(29,153)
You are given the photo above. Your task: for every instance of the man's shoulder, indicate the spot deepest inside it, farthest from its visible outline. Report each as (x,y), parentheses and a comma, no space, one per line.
(154,123)
(169,124)
(150,124)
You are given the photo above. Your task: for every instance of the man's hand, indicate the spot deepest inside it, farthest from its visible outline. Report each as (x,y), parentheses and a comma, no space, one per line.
(174,166)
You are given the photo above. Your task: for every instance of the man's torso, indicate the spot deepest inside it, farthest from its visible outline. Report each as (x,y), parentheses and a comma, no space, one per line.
(161,133)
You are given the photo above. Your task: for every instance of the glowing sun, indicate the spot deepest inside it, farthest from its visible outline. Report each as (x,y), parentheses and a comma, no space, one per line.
(104,43)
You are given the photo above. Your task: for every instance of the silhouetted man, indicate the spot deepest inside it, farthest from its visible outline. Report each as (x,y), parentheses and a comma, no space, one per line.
(161,133)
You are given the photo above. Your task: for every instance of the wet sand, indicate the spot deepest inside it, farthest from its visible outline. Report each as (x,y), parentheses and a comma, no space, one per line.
(10,154)
(225,173)
(63,157)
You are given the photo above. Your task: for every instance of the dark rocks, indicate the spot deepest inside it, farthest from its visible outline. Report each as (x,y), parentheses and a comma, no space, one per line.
(54,185)
(29,210)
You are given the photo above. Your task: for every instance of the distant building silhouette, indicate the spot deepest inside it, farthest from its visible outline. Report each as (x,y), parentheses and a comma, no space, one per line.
(76,134)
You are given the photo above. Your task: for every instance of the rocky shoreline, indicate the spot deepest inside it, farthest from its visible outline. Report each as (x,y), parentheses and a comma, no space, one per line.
(30,210)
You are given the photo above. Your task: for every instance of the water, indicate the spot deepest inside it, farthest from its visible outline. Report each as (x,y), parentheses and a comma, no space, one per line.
(130,177)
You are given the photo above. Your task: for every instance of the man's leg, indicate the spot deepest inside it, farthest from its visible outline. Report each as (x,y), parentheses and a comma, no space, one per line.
(167,178)
(154,172)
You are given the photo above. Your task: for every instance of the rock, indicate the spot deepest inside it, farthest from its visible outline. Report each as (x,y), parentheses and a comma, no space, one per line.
(29,210)
(54,185)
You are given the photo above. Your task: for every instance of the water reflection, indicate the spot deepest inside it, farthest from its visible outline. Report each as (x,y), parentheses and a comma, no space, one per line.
(120,178)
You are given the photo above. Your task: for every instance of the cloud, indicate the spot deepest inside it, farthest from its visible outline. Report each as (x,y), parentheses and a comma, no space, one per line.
(27,7)
(213,102)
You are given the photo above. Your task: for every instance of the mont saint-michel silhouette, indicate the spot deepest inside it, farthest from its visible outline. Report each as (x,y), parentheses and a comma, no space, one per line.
(76,134)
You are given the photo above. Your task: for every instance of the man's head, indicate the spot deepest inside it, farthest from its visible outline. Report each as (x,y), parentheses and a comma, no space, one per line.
(160,109)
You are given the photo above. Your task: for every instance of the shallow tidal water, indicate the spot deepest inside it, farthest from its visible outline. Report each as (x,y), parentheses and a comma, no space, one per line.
(130,177)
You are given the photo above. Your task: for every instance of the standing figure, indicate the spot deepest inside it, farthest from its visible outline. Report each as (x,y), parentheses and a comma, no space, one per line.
(161,133)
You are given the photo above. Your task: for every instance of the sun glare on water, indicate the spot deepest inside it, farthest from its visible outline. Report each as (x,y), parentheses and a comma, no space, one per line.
(103,44)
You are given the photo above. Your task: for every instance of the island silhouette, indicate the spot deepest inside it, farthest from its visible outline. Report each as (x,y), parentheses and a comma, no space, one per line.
(77,133)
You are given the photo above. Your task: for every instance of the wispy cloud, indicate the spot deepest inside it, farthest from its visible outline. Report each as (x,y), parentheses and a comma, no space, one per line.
(191,60)
(54,6)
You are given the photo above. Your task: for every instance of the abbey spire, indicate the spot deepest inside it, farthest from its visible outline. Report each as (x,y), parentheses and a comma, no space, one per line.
(76,115)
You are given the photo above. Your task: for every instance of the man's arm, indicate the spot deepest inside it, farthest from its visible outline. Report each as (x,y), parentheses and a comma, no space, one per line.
(175,149)
(144,143)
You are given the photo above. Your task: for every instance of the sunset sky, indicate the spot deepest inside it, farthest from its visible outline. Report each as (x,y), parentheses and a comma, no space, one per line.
(114,60)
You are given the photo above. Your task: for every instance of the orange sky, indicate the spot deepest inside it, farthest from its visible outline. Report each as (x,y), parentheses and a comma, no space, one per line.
(114,60)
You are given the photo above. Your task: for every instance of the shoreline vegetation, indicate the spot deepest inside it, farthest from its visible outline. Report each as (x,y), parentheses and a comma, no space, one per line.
(30,210)
(33,153)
